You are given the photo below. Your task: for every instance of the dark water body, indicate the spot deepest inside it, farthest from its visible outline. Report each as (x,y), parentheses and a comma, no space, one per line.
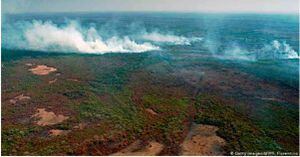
(264,45)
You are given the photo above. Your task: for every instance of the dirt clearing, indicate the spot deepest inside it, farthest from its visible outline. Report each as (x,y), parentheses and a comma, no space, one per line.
(48,118)
(29,64)
(42,70)
(202,140)
(19,98)
(57,132)
(52,81)
(149,110)
(138,149)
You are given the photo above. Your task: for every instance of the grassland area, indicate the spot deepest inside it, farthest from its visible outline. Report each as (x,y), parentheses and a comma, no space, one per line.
(101,104)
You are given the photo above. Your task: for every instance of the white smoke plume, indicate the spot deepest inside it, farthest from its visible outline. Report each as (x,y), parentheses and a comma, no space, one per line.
(169,38)
(278,50)
(274,50)
(48,36)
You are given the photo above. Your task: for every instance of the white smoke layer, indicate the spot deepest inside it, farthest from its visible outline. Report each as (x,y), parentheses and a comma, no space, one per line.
(168,38)
(274,50)
(48,36)
(277,50)
(236,52)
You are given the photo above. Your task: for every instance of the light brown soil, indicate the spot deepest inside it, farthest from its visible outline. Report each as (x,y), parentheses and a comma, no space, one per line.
(48,118)
(151,111)
(80,126)
(42,70)
(57,132)
(52,81)
(202,140)
(19,98)
(72,79)
(137,149)
(28,64)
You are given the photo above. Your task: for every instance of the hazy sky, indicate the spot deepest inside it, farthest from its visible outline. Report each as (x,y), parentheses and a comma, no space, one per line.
(265,6)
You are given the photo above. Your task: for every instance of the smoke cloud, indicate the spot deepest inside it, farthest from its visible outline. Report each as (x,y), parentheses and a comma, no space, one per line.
(171,39)
(272,51)
(73,37)
(50,37)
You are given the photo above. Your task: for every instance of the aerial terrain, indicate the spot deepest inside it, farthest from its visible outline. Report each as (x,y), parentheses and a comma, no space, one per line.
(149,84)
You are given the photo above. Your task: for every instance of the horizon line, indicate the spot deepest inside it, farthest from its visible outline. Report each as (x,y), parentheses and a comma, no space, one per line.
(183,12)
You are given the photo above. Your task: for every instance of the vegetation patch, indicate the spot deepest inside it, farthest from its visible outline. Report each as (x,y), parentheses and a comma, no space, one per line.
(238,130)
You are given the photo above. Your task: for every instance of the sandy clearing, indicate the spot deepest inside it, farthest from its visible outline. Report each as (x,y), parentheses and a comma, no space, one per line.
(42,70)
(29,64)
(72,79)
(57,132)
(19,98)
(80,126)
(137,149)
(48,118)
(202,140)
(52,81)
(149,110)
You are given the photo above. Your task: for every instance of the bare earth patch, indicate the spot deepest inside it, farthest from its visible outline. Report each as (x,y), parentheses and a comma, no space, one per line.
(149,110)
(73,79)
(19,98)
(29,64)
(52,81)
(202,140)
(57,132)
(48,118)
(42,70)
(138,149)
(80,126)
